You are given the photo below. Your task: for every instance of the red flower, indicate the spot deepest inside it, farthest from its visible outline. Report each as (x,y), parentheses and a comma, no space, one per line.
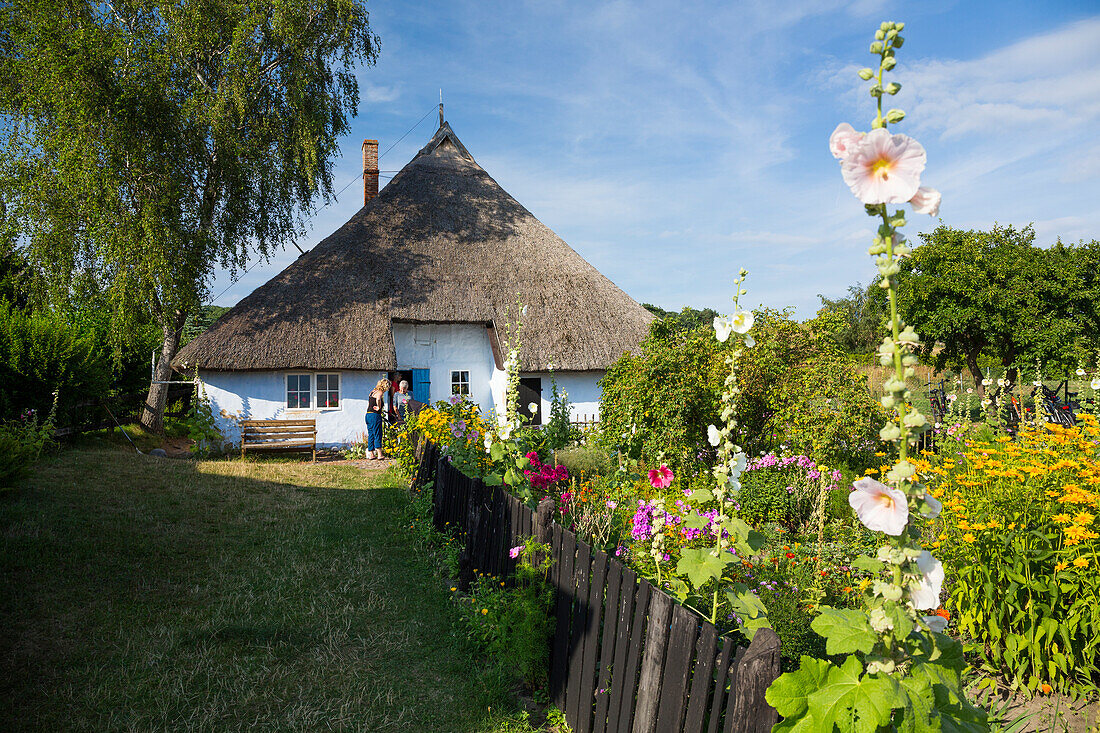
(790,555)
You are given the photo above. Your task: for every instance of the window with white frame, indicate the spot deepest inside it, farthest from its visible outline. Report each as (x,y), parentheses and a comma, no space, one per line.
(328,390)
(460,382)
(299,391)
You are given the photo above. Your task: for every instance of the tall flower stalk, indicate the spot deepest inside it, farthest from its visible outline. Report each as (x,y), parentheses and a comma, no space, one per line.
(899,673)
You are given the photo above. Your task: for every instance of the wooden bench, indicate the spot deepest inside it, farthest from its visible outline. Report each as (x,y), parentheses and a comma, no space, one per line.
(280,435)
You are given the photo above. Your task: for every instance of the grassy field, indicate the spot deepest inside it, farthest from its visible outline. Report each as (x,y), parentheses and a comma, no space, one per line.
(152,594)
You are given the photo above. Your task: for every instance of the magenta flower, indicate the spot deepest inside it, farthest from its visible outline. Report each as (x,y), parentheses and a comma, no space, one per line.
(661,478)
(514,552)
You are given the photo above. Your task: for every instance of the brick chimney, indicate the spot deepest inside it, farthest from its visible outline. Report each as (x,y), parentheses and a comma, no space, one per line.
(370,170)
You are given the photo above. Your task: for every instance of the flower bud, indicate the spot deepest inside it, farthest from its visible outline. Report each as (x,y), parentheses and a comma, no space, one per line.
(888,402)
(893,88)
(898,40)
(889,62)
(895,115)
(899,27)
(885,25)
(876,92)
(890,433)
(876,47)
(866,74)
(890,34)
(880,34)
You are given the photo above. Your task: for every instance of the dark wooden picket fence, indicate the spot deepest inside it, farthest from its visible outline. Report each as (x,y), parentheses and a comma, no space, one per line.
(625,657)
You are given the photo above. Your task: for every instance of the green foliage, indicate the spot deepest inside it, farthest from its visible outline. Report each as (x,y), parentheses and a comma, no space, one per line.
(41,353)
(182,137)
(799,390)
(199,321)
(659,403)
(585,461)
(22,441)
(514,623)
(862,314)
(201,426)
(688,319)
(996,293)
(558,431)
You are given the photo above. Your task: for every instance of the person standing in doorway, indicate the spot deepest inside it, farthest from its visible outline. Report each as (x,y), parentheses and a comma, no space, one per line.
(401,402)
(376,405)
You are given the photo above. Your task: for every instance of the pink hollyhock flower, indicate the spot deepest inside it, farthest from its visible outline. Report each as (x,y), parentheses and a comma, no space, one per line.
(880,507)
(843,139)
(926,201)
(660,478)
(884,168)
(927,593)
(514,552)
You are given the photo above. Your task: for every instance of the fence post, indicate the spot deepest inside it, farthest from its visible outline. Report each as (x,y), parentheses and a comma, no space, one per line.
(757,669)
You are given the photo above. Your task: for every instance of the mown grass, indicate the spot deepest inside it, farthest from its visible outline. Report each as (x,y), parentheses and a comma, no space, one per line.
(152,594)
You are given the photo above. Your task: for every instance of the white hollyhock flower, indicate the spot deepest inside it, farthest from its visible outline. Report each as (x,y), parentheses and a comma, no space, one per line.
(749,342)
(723,327)
(935,623)
(714,435)
(927,593)
(934,506)
(843,139)
(533,407)
(742,321)
(926,201)
(880,507)
(1080,372)
(1095,384)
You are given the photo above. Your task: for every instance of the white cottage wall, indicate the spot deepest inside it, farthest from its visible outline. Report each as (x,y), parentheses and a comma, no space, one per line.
(445,347)
(262,396)
(582,387)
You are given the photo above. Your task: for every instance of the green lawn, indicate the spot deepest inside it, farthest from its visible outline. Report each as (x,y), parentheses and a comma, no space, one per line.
(151,594)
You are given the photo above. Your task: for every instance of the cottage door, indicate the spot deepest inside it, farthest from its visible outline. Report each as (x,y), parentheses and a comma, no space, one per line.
(421,385)
(530,390)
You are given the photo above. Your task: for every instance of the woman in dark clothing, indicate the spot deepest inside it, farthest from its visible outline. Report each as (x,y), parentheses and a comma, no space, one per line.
(376,405)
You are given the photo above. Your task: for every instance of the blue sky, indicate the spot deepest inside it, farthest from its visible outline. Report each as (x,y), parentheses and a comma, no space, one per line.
(672,144)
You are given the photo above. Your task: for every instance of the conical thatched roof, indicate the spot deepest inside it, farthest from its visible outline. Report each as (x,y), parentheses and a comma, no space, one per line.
(442,243)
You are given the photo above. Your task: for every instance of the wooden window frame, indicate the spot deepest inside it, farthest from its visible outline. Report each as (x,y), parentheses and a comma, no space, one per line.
(339,391)
(310,392)
(460,383)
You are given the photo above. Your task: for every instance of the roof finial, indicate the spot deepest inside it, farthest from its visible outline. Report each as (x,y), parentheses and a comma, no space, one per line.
(441,108)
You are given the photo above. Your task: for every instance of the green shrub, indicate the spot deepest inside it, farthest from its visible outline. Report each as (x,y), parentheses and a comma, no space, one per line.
(22,441)
(514,623)
(585,460)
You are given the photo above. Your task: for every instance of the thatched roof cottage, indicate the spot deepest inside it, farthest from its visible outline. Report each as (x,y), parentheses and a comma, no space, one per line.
(416,285)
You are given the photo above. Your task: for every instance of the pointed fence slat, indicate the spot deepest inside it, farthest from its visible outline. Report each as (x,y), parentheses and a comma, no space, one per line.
(624,658)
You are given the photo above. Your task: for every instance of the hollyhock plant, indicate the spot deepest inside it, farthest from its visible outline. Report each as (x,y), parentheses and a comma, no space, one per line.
(899,673)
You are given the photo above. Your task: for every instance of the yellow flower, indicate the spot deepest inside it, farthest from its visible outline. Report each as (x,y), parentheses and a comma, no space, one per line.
(1081,562)
(1083,518)
(1060,567)
(1062,518)
(484,611)
(968,537)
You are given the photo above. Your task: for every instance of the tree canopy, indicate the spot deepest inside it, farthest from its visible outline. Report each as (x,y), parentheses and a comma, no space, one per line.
(996,293)
(149,142)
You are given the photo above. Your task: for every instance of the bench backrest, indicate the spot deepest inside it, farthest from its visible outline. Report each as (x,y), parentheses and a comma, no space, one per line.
(279,433)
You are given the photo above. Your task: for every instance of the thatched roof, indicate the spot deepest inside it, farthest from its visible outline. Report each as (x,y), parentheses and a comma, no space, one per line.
(442,243)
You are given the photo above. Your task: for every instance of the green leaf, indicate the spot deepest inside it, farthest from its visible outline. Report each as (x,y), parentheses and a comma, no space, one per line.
(788,694)
(753,612)
(845,630)
(701,496)
(700,566)
(496,451)
(870,564)
(492,479)
(694,521)
(854,702)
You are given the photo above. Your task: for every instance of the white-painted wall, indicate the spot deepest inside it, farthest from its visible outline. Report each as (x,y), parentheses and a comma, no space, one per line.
(442,348)
(582,387)
(262,396)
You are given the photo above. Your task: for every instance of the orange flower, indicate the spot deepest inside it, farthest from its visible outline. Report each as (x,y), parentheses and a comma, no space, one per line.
(943,613)
(1046,689)
(1060,567)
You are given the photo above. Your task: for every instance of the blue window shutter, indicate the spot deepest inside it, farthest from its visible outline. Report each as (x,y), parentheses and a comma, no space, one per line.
(421,385)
